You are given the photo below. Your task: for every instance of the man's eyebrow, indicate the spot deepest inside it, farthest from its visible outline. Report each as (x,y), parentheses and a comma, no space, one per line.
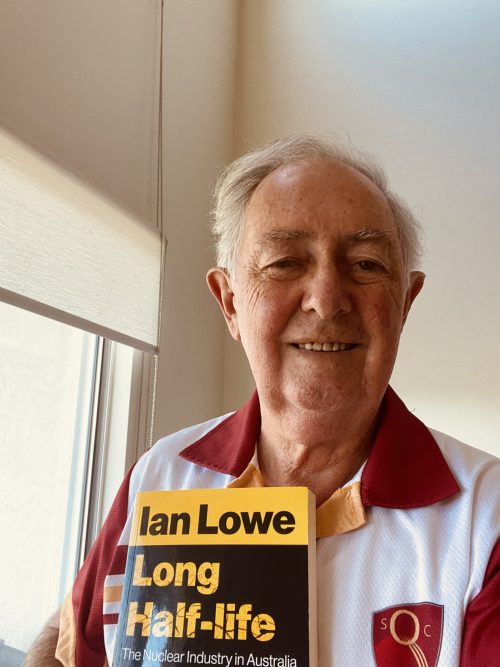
(284,235)
(359,236)
(373,235)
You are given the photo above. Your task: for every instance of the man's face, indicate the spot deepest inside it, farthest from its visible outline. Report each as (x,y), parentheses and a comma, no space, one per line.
(320,292)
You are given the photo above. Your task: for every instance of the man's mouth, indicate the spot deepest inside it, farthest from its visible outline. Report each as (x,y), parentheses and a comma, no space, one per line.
(325,347)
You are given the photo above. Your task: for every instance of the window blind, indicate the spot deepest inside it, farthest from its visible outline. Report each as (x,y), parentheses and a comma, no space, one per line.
(69,253)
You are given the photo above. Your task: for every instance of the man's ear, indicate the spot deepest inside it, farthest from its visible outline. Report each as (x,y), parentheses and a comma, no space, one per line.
(417,279)
(219,284)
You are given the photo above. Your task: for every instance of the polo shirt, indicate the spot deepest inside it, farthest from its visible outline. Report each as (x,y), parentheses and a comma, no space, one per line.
(408,553)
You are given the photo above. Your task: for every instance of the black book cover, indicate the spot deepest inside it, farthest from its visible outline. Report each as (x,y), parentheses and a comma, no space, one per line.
(220,577)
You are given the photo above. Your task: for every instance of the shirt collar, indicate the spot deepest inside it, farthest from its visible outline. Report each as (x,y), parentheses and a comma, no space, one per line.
(405,468)
(342,512)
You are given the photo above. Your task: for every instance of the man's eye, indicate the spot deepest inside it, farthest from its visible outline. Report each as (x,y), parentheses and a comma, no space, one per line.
(283,263)
(369,265)
(284,268)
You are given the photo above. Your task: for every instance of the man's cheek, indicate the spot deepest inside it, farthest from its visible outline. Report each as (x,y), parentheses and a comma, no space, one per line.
(382,318)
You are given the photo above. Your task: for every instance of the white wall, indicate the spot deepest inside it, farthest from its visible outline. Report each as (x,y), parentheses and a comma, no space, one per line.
(200,62)
(418,85)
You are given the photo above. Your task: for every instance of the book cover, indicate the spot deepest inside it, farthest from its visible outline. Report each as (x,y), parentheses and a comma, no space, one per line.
(220,577)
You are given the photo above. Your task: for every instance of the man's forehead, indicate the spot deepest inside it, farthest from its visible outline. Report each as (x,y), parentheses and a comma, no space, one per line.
(319,200)
(318,188)
(317,173)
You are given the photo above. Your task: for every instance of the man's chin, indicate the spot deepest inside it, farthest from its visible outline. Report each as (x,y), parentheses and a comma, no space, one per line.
(322,400)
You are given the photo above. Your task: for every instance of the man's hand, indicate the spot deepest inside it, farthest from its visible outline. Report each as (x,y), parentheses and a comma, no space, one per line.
(43,650)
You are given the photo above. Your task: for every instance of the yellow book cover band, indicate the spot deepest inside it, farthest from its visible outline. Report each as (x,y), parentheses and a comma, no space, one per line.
(270,515)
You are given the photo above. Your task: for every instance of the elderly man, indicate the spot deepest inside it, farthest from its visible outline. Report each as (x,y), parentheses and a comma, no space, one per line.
(316,277)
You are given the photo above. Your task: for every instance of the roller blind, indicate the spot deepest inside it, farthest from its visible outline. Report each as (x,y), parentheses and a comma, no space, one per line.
(69,253)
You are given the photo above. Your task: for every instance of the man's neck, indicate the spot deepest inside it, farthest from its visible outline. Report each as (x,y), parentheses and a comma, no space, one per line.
(323,464)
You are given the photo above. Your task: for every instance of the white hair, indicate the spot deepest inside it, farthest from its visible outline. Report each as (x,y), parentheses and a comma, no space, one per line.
(239,180)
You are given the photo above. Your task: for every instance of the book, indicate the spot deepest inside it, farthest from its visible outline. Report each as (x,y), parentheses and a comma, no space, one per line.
(220,577)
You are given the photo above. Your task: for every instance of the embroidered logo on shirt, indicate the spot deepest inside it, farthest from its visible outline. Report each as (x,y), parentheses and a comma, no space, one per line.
(408,634)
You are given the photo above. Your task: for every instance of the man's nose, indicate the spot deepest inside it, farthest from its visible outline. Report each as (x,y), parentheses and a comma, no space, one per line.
(326,291)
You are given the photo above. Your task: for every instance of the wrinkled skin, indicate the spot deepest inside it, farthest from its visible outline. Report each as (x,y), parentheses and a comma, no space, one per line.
(319,262)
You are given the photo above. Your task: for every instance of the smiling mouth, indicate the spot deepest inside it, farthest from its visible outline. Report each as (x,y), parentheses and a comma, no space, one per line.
(325,347)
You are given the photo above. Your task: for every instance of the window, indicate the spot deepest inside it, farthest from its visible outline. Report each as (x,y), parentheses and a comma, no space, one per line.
(64,410)
(75,407)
